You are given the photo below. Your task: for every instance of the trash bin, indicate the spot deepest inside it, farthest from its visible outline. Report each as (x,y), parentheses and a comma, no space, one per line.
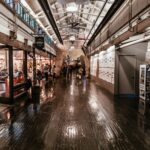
(36,90)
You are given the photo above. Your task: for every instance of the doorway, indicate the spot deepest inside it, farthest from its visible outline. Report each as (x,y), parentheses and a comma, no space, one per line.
(127,75)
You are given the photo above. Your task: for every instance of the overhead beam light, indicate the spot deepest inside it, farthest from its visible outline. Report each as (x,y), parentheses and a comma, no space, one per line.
(72,38)
(71,7)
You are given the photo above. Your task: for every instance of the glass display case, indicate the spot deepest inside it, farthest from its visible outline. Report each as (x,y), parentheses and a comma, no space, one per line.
(4,78)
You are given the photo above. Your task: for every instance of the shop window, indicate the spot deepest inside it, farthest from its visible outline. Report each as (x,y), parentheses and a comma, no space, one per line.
(9,2)
(18,67)
(18,9)
(32,23)
(26,17)
(30,67)
(4,74)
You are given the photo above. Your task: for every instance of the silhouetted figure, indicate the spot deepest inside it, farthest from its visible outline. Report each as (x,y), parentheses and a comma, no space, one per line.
(46,69)
(39,76)
(54,72)
(28,84)
(64,71)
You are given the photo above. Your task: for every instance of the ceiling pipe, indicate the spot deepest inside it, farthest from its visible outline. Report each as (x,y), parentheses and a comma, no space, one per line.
(116,5)
(45,6)
(96,19)
(134,42)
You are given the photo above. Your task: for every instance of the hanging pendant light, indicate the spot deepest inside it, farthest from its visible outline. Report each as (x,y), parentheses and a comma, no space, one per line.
(71,7)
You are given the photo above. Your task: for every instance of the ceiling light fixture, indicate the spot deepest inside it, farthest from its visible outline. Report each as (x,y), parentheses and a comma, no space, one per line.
(72,38)
(71,7)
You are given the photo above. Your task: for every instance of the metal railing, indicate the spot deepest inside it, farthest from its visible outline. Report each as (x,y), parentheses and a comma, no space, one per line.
(24,14)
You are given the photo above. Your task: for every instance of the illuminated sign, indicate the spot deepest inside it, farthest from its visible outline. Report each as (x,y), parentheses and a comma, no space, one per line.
(39,42)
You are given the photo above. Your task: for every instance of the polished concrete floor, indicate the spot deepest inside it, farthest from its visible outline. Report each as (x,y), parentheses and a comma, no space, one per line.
(75,115)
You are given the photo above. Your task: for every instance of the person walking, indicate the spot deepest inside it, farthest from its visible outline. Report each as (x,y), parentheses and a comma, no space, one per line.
(54,72)
(39,76)
(46,70)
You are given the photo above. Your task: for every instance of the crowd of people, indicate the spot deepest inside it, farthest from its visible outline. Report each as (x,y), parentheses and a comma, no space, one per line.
(68,70)
(47,72)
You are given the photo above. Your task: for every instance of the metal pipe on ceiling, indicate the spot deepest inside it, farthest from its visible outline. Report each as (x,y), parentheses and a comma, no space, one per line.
(108,16)
(96,19)
(147,38)
(45,6)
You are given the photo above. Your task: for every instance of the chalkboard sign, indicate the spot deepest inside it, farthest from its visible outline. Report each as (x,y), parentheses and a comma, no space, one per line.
(39,42)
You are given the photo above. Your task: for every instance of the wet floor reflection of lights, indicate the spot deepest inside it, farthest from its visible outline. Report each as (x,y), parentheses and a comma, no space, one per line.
(109,134)
(84,86)
(51,92)
(82,121)
(33,109)
(100,117)
(70,131)
(47,92)
(71,89)
(8,116)
(93,103)
(16,130)
(4,132)
(71,109)
(96,108)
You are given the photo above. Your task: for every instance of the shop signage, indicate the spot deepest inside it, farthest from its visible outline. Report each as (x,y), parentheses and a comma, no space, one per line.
(39,42)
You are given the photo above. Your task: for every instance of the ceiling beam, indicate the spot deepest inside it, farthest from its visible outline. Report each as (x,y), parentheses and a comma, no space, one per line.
(63,12)
(69,26)
(46,8)
(62,18)
(116,5)
(102,8)
(85,20)
(109,2)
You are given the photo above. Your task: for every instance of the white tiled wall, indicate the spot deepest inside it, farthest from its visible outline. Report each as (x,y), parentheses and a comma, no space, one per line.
(106,65)
(93,64)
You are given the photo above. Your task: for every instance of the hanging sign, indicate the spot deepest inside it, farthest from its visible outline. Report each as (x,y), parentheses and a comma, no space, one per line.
(39,42)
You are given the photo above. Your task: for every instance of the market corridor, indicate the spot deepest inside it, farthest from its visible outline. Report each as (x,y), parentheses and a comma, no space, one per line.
(80,117)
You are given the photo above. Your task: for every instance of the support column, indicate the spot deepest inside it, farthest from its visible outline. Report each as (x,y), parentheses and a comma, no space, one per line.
(25,65)
(147,57)
(34,68)
(50,62)
(11,78)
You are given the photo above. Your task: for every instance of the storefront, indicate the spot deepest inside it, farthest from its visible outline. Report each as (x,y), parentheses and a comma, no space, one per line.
(12,73)
(41,61)
(4,74)
(16,65)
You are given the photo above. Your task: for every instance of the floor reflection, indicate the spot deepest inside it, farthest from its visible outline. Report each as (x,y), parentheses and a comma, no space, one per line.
(47,91)
(82,116)
(71,131)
